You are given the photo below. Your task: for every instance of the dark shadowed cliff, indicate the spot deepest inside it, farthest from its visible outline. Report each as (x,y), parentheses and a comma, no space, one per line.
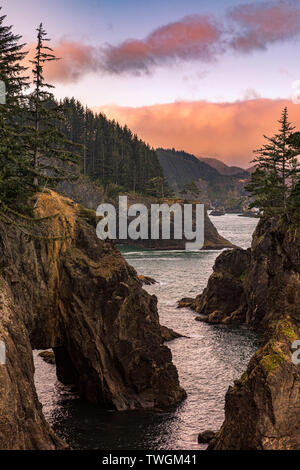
(22,424)
(260,287)
(77,295)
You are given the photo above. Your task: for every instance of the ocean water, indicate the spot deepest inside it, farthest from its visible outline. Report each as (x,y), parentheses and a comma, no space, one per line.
(208,360)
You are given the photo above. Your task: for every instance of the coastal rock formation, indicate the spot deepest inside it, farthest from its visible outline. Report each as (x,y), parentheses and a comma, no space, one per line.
(83,191)
(206,437)
(168,334)
(90,196)
(212,239)
(262,409)
(48,356)
(146,280)
(261,288)
(218,212)
(76,294)
(22,424)
(228,276)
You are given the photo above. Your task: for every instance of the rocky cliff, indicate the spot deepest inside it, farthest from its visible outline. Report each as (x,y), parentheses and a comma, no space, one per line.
(22,424)
(90,196)
(260,287)
(64,289)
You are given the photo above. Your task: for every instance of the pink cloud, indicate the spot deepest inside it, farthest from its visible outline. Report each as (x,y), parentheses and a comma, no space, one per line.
(265,23)
(193,37)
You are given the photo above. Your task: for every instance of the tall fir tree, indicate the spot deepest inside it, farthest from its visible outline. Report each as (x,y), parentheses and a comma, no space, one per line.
(15,176)
(277,169)
(50,151)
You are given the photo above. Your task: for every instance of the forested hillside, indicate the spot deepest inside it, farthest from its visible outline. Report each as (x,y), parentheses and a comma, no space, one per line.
(44,142)
(224,169)
(180,168)
(109,153)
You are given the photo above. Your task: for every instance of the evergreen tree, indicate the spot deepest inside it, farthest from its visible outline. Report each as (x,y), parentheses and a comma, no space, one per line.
(12,73)
(294,202)
(47,145)
(158,187)
(190,189)
(277,168)
(111,154)
(294,142)
(15,180)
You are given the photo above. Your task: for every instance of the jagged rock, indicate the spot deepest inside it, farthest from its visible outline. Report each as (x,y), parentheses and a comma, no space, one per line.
(262,409)
(90,196)
(146,280)
(48,356)
(251,214)
(223,300)
(218,212)
(212,239)
(261,287)
(185,302)
(168,334)
(83,191)
(22,424)
(78,296)
(206,437)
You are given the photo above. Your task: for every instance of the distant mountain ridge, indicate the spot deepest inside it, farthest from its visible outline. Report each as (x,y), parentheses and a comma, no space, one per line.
(180,168)
(222,168)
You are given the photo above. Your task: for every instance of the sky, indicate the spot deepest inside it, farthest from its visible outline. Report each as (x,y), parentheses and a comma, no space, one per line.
(206,76)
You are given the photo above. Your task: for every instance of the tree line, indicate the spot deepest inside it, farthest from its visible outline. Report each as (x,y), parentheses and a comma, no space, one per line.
(43,141)
(275,186)
(111,155)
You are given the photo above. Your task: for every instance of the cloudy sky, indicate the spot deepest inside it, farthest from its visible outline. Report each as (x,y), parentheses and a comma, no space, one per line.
(206,76)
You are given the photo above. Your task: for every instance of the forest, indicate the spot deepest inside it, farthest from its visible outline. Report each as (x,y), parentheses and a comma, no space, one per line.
(44,141)
(110,154)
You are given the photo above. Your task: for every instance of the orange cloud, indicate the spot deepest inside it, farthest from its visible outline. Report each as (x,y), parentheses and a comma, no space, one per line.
(265,23)
(76,60)
(229,131)
(193,37)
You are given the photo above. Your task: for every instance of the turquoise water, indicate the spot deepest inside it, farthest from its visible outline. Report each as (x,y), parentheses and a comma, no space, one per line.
(208,360)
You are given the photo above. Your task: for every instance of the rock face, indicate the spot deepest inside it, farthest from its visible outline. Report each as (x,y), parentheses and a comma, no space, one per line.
(22,424)
(206,436)
(218,212)
(263,290)
(78,296)
(212,239)
(146,280)
(90,196)
(262,409)
(83,191)
(224,299)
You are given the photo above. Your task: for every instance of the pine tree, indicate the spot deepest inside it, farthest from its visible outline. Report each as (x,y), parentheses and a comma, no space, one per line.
(277,167)
(294,202)
(294,142)
(48,147)
(190,189)
(158,187)
(11,71)
(15,181)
